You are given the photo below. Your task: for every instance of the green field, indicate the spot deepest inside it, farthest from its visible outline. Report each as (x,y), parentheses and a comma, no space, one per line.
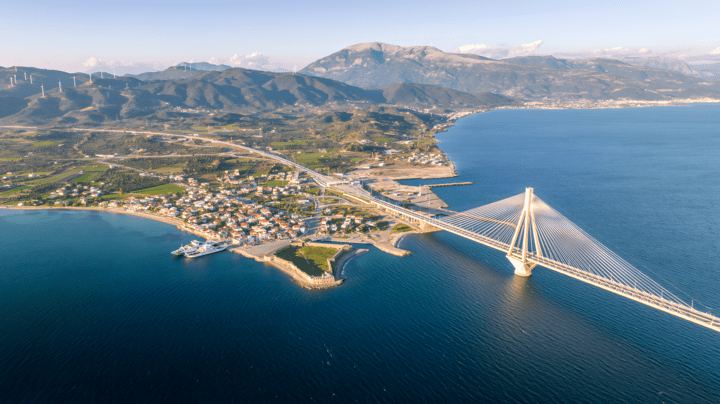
(401,228)
(161,190)
(10,158)
(45,144)
(54,178)
(14,190)
(87,178)
(383,139)
(96,168)
(311,260)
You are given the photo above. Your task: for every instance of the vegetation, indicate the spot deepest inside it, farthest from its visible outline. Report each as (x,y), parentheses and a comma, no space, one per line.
(14,190)
(400,228)
(65,174)
(161,190)
(86,178)
(311,260)
(329,200)
(94,168)
(124,180)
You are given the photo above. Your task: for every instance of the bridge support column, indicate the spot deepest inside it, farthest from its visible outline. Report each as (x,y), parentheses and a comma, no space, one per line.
(521,268)
(522,230)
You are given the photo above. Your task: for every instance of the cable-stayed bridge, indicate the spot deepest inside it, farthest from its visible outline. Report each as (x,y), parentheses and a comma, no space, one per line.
(532,233)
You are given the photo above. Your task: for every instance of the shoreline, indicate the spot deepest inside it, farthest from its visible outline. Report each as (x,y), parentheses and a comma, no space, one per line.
(163,219)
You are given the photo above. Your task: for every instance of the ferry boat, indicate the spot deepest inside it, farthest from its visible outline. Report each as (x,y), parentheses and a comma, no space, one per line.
(192,247)
(209,247)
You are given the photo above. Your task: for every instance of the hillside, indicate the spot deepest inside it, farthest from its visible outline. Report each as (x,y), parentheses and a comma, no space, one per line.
(229,90)
(183,70)
(529,78)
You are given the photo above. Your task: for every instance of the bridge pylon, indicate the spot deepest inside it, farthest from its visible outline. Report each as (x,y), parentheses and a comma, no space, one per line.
(521,238)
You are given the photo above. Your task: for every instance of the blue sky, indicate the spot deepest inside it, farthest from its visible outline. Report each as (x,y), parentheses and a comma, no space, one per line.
(159,33)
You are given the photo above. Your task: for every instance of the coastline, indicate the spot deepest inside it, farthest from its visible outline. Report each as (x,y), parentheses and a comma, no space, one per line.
(163,219)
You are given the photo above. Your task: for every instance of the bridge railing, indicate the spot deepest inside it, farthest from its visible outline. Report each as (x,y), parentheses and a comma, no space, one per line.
(684,311)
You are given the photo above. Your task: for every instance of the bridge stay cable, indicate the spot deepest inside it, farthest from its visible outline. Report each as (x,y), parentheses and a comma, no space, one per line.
(532,233)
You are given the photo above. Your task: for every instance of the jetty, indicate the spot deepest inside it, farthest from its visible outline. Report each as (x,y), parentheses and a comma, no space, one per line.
(451,184)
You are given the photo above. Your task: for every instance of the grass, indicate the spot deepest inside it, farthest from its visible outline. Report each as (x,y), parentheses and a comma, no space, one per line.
(44,144)
(400,228)
(383,140)
(312,190)
(311,260)
(112,196)
(329,191)
(86,178)
(328,200)
(10,158)
(14,190)
(161,190)
(96,168)
(54,178)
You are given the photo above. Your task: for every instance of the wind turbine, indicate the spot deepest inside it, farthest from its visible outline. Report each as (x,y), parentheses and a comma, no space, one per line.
(74,83)
(90,75)
(31,79)
(101,74)
(25,76)
(60,85)
(43,90)
(114,74)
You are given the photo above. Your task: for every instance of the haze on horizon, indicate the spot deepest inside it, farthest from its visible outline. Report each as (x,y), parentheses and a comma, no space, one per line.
(133,36)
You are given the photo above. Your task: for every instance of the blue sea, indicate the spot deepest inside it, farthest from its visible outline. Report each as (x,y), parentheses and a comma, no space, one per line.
(93,308)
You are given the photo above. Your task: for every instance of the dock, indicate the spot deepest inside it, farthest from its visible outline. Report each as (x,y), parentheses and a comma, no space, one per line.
(452,184)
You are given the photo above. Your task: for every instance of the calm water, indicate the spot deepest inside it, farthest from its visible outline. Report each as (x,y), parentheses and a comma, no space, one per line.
(94,309)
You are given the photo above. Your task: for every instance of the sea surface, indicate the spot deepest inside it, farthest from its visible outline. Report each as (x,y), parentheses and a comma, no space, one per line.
(93,308)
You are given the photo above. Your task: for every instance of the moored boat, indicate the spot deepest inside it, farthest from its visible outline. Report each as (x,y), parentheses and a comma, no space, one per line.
(209,247)
(192,247)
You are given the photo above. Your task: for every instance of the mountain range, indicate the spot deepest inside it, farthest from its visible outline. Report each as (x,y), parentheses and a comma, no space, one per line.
(419,77)
(230,90)
(530,78)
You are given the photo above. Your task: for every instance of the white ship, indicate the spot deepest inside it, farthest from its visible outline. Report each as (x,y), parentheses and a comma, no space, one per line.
(192,247)
(207,248)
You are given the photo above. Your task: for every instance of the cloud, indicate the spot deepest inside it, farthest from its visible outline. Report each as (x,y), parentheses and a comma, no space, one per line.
(92,62)
(121,67)
(617,52)
(496,52)
(255,60)
(715,51)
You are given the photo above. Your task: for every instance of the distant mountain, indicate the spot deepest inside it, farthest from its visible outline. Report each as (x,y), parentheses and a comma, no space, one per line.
(229,90)
(423,95)
(204,66)
(184,70)
(707,72)
(376,64)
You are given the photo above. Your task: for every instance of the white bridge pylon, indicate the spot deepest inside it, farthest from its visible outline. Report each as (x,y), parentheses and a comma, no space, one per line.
(531,233)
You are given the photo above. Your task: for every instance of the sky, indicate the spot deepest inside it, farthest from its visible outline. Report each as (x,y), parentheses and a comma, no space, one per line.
(134,36)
